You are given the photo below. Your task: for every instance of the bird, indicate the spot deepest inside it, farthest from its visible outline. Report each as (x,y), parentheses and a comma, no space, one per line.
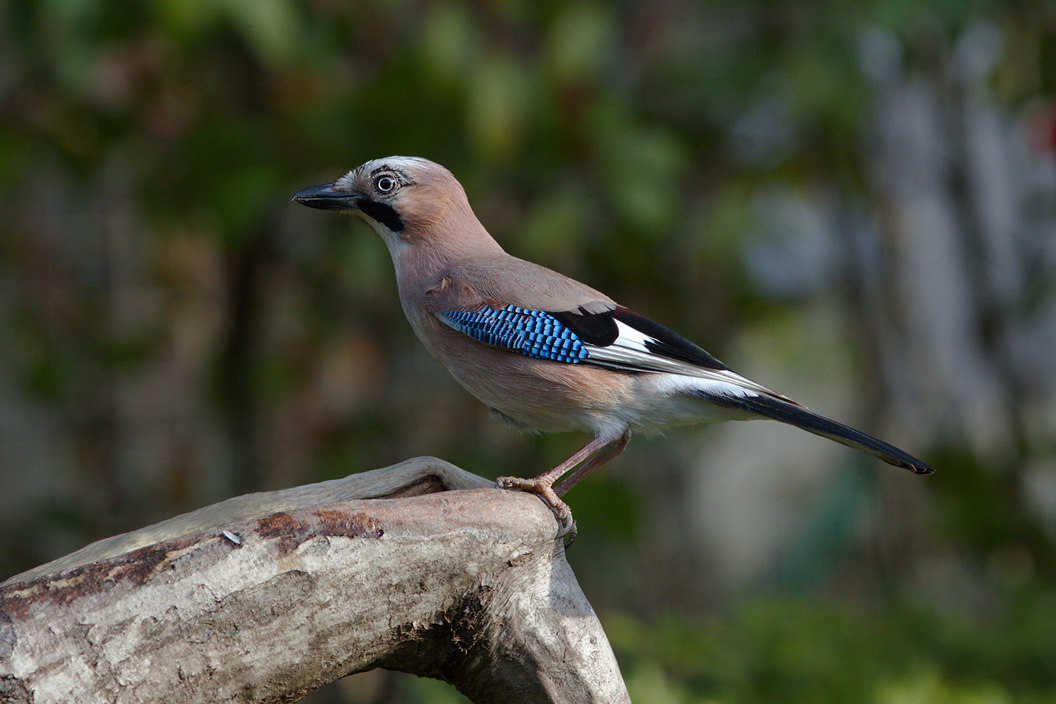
(543,351)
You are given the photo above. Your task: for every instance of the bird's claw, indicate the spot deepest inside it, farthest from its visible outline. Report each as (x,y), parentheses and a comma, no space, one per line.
(545,492)
(568,532)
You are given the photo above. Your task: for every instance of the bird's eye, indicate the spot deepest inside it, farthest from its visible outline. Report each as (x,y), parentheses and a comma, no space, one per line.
(385,184)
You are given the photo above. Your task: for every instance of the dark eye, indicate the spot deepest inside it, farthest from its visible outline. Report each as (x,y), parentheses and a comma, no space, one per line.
(385,184)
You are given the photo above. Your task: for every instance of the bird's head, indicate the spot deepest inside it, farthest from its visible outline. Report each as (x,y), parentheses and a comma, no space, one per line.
(404,198)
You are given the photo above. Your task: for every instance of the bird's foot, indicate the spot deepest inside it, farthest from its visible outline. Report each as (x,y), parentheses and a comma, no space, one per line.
(545,491)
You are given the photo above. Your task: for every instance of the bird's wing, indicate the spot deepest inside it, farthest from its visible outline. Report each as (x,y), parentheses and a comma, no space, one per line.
(555,318)
(540,322)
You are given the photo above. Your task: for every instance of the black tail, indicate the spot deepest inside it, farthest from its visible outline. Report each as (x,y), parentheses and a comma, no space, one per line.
(776,409)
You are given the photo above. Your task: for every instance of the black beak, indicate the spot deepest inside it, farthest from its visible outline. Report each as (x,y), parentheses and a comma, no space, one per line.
(326,198)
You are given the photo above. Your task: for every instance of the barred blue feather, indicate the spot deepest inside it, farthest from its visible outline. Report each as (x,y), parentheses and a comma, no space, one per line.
(531,332)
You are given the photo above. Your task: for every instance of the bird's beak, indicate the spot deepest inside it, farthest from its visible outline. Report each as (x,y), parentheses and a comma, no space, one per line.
(326,198)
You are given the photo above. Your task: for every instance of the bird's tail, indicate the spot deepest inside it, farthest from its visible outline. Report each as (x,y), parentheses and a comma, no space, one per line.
(779,410)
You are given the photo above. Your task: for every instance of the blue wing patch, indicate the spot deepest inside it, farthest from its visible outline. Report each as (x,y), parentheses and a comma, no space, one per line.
(531,332)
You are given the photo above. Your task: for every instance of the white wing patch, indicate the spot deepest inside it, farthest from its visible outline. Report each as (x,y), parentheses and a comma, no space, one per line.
(630,352)
(681,384)
(631,338)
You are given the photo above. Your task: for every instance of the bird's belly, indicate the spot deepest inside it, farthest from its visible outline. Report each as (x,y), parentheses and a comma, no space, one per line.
(536,394)
(546,396)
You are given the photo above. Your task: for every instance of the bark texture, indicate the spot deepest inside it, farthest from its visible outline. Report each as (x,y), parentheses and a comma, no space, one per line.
(420,567)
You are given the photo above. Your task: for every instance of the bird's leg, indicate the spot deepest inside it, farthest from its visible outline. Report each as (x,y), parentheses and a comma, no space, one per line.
(608,452)
(543,485)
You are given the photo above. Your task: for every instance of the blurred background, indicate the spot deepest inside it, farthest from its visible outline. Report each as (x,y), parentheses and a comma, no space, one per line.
(855,206)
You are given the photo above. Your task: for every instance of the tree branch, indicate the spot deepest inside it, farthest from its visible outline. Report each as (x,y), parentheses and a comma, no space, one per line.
(266,597)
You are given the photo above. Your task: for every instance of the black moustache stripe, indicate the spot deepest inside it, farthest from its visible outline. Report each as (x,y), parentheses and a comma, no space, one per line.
(383,213)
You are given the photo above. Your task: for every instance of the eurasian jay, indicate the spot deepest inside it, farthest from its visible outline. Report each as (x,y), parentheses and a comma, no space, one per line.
(543,351)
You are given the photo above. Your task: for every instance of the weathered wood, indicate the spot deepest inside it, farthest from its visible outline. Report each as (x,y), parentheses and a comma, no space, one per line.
(267,597)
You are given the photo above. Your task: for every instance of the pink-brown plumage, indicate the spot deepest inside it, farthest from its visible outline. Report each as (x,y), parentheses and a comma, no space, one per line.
(630,373)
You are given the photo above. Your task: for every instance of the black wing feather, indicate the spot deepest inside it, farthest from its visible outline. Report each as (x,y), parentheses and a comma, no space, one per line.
(668,342)
(599,329)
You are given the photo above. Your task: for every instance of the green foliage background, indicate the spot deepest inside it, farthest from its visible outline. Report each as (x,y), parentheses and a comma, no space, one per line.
(174,331)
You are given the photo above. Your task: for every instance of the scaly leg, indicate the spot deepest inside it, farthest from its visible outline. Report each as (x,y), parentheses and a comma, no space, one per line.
(606,453)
